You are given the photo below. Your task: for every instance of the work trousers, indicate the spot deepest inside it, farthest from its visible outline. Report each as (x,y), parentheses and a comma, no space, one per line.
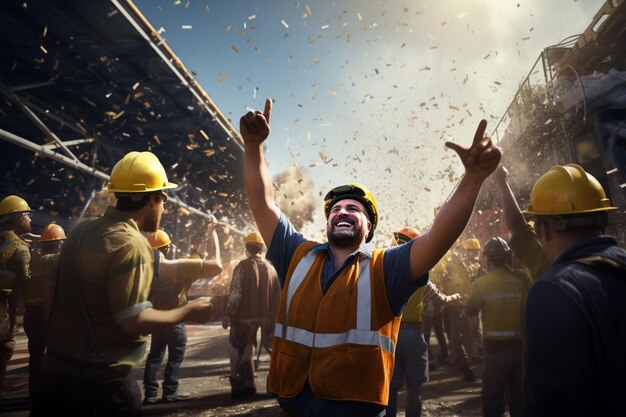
(502,381)
(435,322)
(460,336)
(174,339)
(75,390)
(35,330)
(7,333)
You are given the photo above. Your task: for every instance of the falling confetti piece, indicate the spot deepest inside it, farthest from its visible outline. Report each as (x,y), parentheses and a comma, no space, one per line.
(252,17)
(187,27)
(308,9)
(358,15)
(284,24)
(314,58)
(234,48)
(222,79)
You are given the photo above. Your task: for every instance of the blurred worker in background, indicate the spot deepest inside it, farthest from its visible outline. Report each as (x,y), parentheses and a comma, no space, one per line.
(433,316)
(575,338)
(411,364)
(252,305)
(100,314)
(341,304)
(457,279)
(523,242)
(171,281)
(14,271)
(44,266)
(498,297)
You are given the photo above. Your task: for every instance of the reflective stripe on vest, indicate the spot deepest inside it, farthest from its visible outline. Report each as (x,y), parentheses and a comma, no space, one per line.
(502,333)
(502,295)
(362,335)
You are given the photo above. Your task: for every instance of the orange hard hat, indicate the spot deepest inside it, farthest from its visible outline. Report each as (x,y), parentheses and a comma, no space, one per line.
(406,234)
(159,239)
(52,233)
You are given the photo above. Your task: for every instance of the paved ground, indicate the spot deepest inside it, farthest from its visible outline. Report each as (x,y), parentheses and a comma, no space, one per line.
(204,374)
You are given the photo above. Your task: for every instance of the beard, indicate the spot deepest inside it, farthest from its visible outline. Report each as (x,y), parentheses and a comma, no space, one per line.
(151,222)
(22,227)
(344,238)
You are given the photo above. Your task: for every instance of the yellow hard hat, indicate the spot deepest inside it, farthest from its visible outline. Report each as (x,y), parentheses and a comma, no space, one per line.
(255,238)
(159,239)
(52,233)
(356,192)
(13,204)
(406,234)
(472,243)
(139,172)
(567,189)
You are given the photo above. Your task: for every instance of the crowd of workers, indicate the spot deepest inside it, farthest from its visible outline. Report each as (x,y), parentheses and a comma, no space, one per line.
(347,325)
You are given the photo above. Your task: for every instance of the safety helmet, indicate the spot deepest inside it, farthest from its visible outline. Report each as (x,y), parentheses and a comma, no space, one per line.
(356,192)
(139,172)
(13,204)
(255,238)
(159,239)
(496,247)
(405,234)
(567,189)
(472,243)
(52,233)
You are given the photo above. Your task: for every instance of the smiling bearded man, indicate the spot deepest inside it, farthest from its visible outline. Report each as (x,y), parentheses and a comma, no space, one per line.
(345,223)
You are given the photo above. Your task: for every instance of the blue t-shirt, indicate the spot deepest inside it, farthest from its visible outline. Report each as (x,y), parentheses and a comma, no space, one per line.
(398,282)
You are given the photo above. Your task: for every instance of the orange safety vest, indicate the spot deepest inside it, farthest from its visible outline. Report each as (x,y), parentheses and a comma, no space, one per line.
(343,341)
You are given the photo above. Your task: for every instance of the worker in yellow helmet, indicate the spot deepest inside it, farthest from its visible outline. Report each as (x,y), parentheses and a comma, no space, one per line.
(342,300)
(411,365)
(252,306)
(14,271)
(44,265)
(574,330)
(497,295)
(172,279)
(101,313)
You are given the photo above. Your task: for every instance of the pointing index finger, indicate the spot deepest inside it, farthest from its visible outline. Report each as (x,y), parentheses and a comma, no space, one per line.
(480,131)
(268,110)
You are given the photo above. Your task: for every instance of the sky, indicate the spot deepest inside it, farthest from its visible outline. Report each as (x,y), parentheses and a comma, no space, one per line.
(367,91)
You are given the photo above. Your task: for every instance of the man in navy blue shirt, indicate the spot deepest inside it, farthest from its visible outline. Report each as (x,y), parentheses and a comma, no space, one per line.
(342,300)
(575,341)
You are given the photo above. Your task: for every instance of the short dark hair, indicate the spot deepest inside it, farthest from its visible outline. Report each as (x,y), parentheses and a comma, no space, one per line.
(253,248)
(580,225)
(133,202)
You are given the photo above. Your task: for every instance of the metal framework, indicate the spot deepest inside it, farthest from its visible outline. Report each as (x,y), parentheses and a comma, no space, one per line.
(85,82)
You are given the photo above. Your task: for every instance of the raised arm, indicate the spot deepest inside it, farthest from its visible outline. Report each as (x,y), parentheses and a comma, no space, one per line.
(255,128)
(513,216)
(479,160)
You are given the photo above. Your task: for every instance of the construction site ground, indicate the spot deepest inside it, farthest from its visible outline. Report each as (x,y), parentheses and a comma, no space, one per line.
(204,374)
